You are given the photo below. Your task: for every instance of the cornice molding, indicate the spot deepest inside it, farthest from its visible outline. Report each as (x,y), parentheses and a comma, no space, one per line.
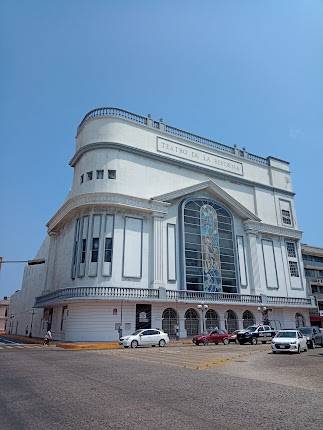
(105,200)
(273,230)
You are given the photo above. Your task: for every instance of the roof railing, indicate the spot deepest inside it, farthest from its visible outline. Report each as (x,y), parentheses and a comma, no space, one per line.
(191,137)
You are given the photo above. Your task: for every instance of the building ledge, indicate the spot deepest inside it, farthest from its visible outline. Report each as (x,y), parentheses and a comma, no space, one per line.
(162,295)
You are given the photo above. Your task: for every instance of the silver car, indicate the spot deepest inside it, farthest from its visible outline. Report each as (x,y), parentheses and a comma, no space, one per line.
(146,337)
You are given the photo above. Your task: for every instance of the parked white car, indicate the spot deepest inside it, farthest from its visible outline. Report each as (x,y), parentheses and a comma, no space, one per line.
(290,341)
(147,337)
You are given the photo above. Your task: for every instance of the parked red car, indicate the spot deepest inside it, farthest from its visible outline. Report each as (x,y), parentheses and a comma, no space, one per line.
(233,338)
(215,336)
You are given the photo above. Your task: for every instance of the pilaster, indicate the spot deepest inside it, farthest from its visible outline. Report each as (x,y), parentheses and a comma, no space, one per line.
(254,274)
(158,236)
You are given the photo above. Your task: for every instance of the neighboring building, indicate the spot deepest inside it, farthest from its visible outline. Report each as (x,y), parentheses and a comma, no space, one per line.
(4,304)
(158,222)
(313,265)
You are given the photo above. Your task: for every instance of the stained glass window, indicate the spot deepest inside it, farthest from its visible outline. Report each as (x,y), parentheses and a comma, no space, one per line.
(209,247)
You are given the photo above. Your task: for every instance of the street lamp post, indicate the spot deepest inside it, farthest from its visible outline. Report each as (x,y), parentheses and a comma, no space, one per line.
(203,309)
(265,314)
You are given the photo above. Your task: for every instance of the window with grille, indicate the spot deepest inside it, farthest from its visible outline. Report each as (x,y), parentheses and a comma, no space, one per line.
(286,217)
(291,250)
(293,269)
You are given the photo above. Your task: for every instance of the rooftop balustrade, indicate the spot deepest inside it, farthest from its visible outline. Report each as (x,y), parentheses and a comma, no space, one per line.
(165,128)
(162,295)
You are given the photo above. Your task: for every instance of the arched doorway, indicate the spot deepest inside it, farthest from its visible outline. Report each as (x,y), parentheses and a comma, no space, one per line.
(211,320)
(248,319)
(231,321)
(170,321)
(192,322)
(299,320)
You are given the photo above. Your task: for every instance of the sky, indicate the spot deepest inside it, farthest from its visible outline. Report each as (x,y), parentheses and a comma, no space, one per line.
(246,72)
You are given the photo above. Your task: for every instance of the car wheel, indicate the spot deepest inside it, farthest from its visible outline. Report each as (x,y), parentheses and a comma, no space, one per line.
(225,341)
(134,344)
(241,343)
(274,352)
(254,341)
(263,342)
(298,350)
(162,343)
(126,346)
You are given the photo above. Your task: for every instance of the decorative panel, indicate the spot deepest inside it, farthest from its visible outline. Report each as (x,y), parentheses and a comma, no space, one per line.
(171,252)
(132,248)
(242,261)
(269,263)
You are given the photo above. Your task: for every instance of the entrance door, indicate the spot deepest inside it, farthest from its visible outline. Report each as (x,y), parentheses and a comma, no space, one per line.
(143,316)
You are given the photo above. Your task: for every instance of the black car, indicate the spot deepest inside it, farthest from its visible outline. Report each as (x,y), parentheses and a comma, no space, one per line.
(313,336)
(255,334)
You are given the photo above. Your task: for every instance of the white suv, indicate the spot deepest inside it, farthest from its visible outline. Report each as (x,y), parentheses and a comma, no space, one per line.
(289,340)
(146,337)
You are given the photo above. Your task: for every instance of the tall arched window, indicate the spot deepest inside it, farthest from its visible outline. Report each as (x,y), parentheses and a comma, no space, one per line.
(209,247)
(191,322)
(231,321)
(211,320)
(170,321)
(248,319)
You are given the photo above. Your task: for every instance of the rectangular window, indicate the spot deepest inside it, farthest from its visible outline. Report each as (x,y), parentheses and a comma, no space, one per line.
(89,176)
(108,245)
(108,250)
(112,174)
(83,252)
(286,218)
(291,250)
(99,174)
(293,269)
(95,250)
(82,179)
(286,212)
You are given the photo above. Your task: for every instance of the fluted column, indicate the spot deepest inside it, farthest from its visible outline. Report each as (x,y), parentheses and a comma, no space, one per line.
(158,236)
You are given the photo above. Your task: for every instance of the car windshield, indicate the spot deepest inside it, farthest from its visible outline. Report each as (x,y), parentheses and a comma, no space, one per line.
(136,332)
(251,328)
(305,330)
(287,334)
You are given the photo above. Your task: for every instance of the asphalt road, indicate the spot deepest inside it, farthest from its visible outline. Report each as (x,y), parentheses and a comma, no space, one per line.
(216,387)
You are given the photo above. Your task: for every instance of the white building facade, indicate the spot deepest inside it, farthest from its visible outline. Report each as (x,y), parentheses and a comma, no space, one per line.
(158,222)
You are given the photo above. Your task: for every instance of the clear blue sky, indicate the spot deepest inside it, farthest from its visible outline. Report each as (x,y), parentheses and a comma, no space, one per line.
(242,72)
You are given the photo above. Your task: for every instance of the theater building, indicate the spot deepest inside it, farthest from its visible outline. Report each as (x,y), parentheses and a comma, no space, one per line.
(165,229)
